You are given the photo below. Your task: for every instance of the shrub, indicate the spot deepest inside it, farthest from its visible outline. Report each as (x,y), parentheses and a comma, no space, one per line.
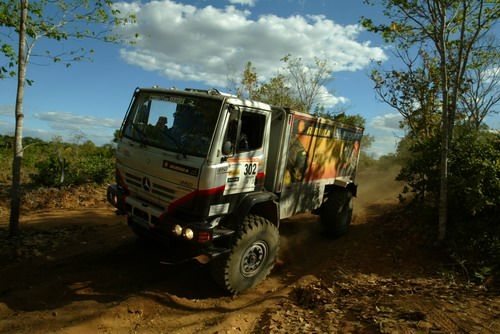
(49,171)
(473,191)
(70,164)
(474,181)
(91,169)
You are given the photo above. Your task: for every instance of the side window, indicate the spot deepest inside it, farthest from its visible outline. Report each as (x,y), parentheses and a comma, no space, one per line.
(231,133)
(252,132)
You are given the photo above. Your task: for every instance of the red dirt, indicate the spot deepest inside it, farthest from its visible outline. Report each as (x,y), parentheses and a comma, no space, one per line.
(82,271)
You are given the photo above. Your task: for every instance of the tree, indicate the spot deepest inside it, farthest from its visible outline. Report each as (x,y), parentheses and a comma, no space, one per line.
(297,85)
(449,31)
(277,91)
(482,90)
(413,91)
(18,135)
(249,81)
(307,81)
(56,20)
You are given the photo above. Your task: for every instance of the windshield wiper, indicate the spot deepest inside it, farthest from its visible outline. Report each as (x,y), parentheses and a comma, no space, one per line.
(143,138)
(179,146)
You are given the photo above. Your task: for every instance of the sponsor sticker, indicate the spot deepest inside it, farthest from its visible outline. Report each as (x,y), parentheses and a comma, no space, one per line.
(180,168)
(241,175)
(222,170)
(218,209)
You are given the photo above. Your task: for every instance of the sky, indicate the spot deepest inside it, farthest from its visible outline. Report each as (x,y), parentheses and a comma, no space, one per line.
(200,44)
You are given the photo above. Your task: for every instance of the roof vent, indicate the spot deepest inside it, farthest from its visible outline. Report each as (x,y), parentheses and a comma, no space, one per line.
(210,91)
(213,91)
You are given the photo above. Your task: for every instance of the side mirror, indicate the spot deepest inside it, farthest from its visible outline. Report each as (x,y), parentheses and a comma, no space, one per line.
(227,148)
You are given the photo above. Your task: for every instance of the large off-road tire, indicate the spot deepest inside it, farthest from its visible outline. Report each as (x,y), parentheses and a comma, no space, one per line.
(336,213)
(252,256)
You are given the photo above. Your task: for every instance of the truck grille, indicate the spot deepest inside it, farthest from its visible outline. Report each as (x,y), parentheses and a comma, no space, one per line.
(157,189)
(133,180)
(141,214)
(163,191)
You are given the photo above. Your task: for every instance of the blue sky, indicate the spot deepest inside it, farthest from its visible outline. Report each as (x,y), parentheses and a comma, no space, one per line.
(197,44)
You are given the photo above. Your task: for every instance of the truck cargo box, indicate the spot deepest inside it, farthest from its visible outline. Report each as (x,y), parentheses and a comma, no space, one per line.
(320,152)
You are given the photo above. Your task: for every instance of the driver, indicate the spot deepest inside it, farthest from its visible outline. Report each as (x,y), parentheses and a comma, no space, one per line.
(162,123)
(161,128)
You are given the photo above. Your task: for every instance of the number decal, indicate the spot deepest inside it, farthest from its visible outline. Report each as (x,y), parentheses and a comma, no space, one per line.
(250,169)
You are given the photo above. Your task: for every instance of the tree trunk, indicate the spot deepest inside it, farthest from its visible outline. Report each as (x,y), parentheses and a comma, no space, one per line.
(443,170)
(443,187)
(445,139)
(18,141)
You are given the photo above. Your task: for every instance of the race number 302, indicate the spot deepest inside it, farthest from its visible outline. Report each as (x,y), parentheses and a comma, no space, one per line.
(250,169)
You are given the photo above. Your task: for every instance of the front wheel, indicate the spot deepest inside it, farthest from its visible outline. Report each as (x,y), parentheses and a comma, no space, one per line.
(336,213)
(251,258)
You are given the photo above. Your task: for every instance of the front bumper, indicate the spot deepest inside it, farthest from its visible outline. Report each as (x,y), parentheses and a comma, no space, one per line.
(153,222)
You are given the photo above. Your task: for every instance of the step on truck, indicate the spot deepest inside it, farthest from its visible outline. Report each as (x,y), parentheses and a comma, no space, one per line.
(217,173)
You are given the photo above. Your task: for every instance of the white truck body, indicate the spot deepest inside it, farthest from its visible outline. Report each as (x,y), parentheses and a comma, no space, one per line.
(202,161)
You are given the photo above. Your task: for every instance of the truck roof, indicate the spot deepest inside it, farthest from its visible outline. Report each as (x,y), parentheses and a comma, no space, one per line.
(209,93)
(217,95)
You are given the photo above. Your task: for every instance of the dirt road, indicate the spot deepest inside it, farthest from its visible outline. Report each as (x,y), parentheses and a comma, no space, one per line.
(82,271)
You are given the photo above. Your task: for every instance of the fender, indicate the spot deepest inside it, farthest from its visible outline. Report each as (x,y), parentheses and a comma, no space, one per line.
(263,203)
(346,184)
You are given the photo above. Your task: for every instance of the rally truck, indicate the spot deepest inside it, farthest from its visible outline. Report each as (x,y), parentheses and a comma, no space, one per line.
(217,173)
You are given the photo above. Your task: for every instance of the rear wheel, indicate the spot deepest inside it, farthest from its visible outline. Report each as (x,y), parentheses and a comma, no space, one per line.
(336,213)
(251,258)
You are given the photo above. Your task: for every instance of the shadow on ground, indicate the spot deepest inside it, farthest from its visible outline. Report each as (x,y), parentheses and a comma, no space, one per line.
(104,262)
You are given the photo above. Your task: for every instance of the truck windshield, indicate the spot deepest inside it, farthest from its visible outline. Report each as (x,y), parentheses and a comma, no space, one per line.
(181,124)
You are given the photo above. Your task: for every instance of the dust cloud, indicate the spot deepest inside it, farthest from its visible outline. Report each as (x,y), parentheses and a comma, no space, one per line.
(301,238)
(376,186)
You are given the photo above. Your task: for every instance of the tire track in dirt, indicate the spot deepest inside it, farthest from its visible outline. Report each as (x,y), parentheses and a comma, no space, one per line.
(99,279)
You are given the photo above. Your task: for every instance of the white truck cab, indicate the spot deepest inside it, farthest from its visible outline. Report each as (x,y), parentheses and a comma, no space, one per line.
(219,173)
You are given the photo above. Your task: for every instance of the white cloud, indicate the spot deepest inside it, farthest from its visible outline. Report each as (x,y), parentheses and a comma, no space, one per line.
(39,133)
(66,125)
(6,110)
(184,42)
(329,100)
(68,121)
(384,145)
(387,122)
(7,128)
(385,128)
(250,3)
(491,74)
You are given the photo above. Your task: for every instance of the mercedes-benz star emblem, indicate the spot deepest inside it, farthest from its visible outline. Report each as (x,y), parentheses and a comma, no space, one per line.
(146,184)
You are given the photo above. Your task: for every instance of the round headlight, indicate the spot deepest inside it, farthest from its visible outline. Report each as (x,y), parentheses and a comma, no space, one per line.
(188,234)
(177,230)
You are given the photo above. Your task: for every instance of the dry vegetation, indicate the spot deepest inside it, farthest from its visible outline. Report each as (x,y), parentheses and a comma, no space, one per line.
(86,168)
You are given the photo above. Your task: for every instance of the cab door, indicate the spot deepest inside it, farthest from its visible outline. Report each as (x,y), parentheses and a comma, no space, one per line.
(246,139)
